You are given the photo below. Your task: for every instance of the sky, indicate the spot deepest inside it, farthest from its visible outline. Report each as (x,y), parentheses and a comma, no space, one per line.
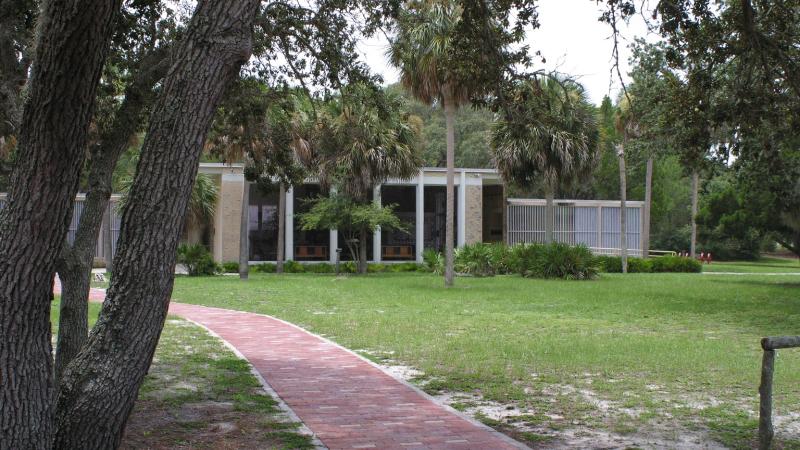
(570,38)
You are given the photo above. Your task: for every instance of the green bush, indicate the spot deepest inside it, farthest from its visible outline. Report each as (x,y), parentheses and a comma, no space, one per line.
(476,260)
(230,267)
(348,267)
(291,266)
(613,264)
(433,261)
(263,268)
(554,260)
(404,267)
(197,259)
(676,264)
(319,268)
(377,268)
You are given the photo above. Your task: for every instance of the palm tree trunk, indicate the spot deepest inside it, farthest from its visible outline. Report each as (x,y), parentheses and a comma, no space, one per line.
(648,204)
(449,235)
(281,228)
(623,212)
(695,188)
(244,238)
(549,215)
(362,250)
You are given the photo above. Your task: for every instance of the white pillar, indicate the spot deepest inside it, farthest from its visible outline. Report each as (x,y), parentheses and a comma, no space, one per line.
(288,239)
(461,222)
(420,222)
(376,237)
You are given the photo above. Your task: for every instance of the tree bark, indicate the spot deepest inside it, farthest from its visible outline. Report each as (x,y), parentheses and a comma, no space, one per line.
(623,211)
(449,234)
(71,48)
(362,250)
(281,229)
(549,215)
(99,387)
(648,206)
(244,238)
(695,188)
(75,262)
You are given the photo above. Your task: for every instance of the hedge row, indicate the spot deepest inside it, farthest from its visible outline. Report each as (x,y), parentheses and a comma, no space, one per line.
(613,264)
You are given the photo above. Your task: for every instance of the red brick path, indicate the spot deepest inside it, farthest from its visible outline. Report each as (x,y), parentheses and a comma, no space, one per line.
(345,400)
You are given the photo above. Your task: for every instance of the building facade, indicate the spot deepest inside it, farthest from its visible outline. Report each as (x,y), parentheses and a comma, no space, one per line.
(482,214)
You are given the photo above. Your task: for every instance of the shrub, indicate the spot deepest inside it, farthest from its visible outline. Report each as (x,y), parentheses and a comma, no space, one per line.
(377,268)
(319,268)
(554,260)
(567,262)
(613,264)
(197,259)
(291,266)
(676,264)
(434,261)
(348,267)
(230,267)
(404,267)
(476,260)
(263,268)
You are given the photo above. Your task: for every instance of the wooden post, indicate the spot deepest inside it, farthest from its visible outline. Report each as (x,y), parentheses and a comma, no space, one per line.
(769,344)
(765,430)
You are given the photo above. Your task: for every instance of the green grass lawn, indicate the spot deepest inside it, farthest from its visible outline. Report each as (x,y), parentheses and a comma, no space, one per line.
(764,265)
(199,394)
(622,354)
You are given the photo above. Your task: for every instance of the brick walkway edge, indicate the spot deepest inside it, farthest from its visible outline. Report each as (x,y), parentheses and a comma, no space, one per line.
(346,401)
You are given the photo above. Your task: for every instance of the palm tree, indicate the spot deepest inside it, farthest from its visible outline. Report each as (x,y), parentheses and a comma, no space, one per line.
(423,51)
(365,136)
(270,131)
(548,136)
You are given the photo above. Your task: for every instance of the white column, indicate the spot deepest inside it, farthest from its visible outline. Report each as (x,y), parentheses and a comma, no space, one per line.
(461,221)
(334,238)
(288,239)
(376,237)
(420,222)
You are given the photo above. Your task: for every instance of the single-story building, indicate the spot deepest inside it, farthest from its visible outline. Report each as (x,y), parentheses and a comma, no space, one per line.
(483,214)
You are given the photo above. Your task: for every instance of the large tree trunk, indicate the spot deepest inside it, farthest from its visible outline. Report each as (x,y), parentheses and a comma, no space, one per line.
(99,387)
(549,215)
(75,263)
(70,52)
(281,228)
(648,206)
(363,235)
(244,238)
(449,234)
(695,188)
(623,211)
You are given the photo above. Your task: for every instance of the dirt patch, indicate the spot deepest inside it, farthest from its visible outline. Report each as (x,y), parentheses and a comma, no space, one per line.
(600,423)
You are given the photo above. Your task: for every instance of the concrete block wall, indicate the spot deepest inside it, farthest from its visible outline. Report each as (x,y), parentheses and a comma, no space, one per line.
(228,215)
(474,214)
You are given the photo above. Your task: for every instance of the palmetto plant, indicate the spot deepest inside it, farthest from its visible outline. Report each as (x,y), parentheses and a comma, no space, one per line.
(548,136)
(424,51)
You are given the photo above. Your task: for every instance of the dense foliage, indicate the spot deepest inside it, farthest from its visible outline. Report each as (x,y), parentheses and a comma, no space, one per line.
(197,260)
